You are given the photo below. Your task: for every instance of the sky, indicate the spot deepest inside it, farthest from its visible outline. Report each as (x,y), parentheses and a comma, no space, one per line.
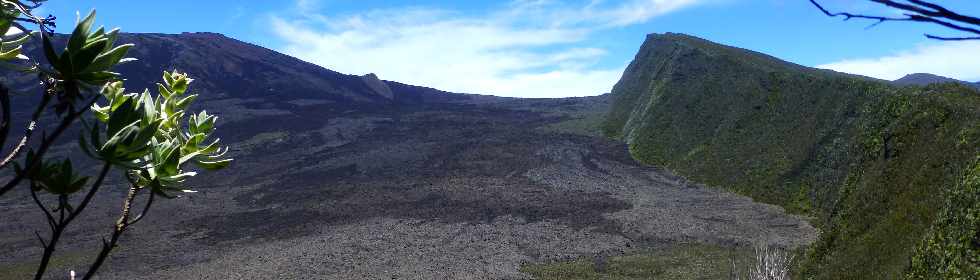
(542,48)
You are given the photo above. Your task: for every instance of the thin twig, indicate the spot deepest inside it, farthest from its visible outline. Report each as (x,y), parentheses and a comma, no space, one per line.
(937,10)
(47,214)
(31,126)
(46,23)
(38,234)
(62,207)
(919,11)
(58,226)
(121,224)
(49,251)
(947,24)
(146,209)
(5,119)
(943,38)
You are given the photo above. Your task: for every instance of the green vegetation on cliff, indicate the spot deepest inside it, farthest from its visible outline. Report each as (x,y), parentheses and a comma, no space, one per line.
(869,161)
(950,249)
(685,261)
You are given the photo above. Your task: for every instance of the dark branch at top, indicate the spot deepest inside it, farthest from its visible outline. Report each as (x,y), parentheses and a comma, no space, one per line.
(919,11)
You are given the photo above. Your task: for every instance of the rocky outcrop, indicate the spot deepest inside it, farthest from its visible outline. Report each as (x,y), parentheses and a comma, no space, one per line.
(377,86)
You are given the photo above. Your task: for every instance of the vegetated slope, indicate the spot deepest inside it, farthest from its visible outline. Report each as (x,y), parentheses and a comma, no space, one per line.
(869,160)
(950,249)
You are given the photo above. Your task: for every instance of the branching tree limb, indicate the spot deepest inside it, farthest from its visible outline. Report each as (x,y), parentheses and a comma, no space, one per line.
(28,131)
(919,11)
(121,225)
(46,143)
(66,216)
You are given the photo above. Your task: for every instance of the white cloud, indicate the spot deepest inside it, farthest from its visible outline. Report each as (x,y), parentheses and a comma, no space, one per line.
(958,60)
(635,11)
(505,52)
(307,5)
(597,13)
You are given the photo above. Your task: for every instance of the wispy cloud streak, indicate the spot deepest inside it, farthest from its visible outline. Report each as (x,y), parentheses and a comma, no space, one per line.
(530,48)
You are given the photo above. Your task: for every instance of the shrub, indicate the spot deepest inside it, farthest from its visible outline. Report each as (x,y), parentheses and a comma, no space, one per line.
(150,137)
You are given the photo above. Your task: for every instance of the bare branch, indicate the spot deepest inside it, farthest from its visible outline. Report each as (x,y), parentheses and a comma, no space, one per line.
(919,11)
(43,244)
(47,214)
(938,11)
(49,249)
(934,37)
(31,126)
(943,23)
(47,143)
(146,209)
(59,225)
(47,24)
(848,16)
(62,207)
(121,224)
(5,118)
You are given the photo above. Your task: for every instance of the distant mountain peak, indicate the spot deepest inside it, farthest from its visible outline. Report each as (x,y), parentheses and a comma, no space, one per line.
(683,44)
(242,81)
(925,79)
(212,34)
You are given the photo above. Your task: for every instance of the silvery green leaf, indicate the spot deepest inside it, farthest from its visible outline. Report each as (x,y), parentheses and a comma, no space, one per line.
(49,52)
(78,36)
(108,59)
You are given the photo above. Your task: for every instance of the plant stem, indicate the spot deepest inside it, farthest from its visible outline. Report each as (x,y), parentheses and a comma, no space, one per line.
(121,224)
(31,126)
(49,248)
(59,225)
(5,121)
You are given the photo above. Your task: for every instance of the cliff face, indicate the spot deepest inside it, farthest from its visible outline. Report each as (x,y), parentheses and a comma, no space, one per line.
(868,160)
(687,103)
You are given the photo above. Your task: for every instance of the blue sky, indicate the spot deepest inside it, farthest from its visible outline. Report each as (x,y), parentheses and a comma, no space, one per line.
(541,48)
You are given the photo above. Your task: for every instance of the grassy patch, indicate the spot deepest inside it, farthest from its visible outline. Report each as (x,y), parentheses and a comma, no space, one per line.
(680,262)
(585,123)
(61,263)
(261,140)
